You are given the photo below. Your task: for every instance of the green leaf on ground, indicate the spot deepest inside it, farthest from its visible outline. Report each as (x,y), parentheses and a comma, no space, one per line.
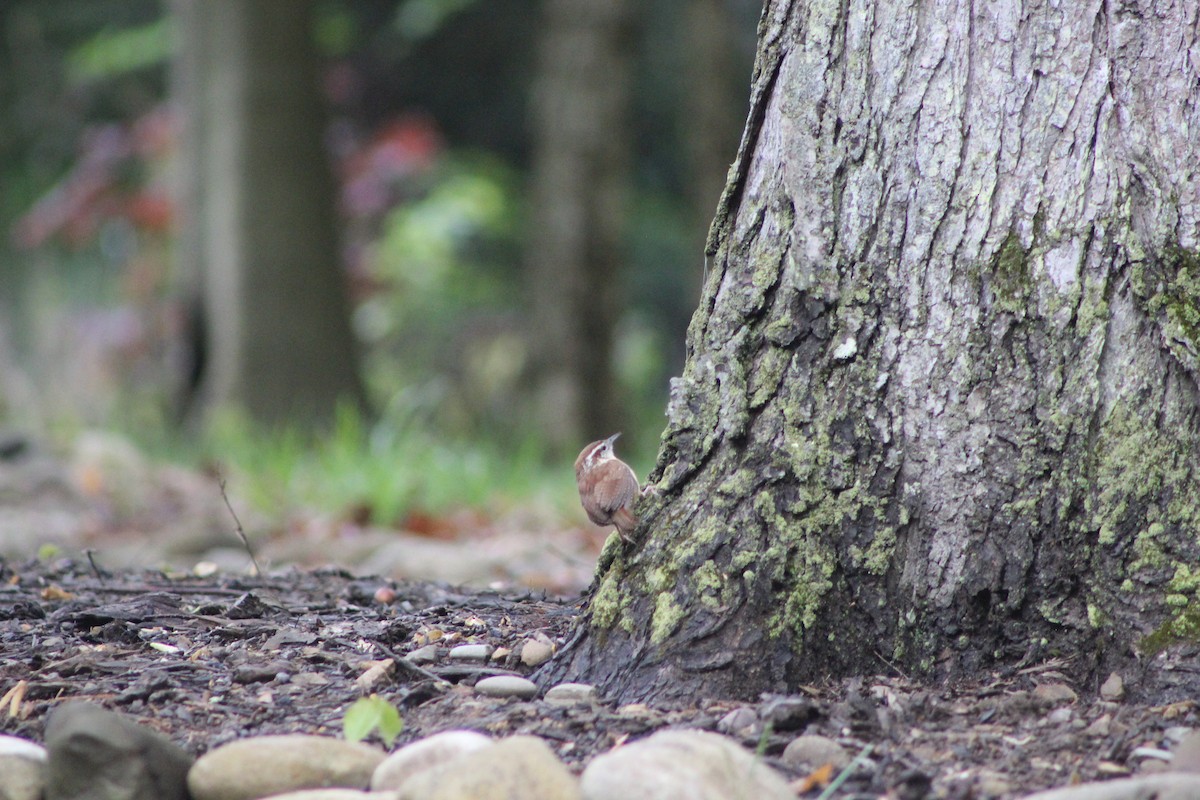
(372,714)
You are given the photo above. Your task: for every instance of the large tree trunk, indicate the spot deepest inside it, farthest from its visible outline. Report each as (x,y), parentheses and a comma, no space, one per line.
(940,408)
(262,207)
(580,110)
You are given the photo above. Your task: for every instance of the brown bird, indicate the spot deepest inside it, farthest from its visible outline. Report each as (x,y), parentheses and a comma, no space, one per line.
(607,487)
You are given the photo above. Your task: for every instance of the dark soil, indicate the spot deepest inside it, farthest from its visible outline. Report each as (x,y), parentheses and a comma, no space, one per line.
(205,661)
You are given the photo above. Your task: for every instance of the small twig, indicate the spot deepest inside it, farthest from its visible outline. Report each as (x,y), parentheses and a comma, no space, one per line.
(241,532)
(1045,666)
(404,664)
(91,557)
(897,669)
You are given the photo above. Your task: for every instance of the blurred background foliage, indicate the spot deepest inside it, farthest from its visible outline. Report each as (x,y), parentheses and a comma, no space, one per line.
(428,134)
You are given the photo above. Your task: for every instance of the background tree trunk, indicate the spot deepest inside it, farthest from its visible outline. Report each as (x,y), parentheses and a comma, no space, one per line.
(940,408)
(189,69)
(715,84)
(582,145)
(280,344)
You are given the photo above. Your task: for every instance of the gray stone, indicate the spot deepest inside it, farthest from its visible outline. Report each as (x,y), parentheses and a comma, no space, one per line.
(419,756)
(517,767)
(1113,689)
(1177,733)
(1054,694)
(811,751)
(787,713)
(507,686)
(991,785)
(22,769)
(96,754)
(267,765)
(424,655)
(740,722)
(471,652)
(570,694)
(536,652)
(682,765)
(1060,716)
(1101,726)
(1154,753)
(1186,755)
(1166,786)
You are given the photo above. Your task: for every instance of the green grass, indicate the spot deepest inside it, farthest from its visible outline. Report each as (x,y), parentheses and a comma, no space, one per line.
(390,467)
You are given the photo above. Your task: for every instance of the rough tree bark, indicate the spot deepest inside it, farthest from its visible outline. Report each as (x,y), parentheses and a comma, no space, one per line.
(580,110)
(261,209)
(940,408)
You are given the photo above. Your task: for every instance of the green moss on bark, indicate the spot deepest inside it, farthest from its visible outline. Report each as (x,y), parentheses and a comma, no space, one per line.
(1010,276)
(1144,482)
(666,618)
(710,584)
(1170,286)
(1146,501)
(607,603)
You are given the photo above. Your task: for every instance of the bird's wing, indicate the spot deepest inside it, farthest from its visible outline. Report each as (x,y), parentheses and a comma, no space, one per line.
(616,491)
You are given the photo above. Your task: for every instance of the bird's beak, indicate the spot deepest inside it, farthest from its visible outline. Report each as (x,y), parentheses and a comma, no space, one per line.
(612,439)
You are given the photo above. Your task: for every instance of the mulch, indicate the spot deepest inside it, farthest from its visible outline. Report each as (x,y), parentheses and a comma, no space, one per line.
(209,660)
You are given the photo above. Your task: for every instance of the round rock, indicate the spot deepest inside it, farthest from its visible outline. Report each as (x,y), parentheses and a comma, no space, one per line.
(519,766)
(739,722)
(1166,786)
(334,794)
(1054,694)
(96,754)
(406,762)
(682,765)
(424,655)
(471,652)
(22,769)
(570,694)
(811,751)
(268,765)
(1113,688)
(536,652)
(507,686)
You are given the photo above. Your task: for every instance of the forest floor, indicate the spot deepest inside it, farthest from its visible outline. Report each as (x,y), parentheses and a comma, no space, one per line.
(205,661)
(205,654)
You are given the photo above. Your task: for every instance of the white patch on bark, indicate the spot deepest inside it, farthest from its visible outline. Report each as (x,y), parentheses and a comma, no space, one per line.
(1062,263)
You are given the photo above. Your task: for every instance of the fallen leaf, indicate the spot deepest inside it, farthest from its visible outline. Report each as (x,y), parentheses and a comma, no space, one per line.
(819,778)
(376,672)
(1176,710)
(56,592)
(13,699)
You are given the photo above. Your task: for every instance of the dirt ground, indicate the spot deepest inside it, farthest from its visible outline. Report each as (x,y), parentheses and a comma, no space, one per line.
(207,660)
